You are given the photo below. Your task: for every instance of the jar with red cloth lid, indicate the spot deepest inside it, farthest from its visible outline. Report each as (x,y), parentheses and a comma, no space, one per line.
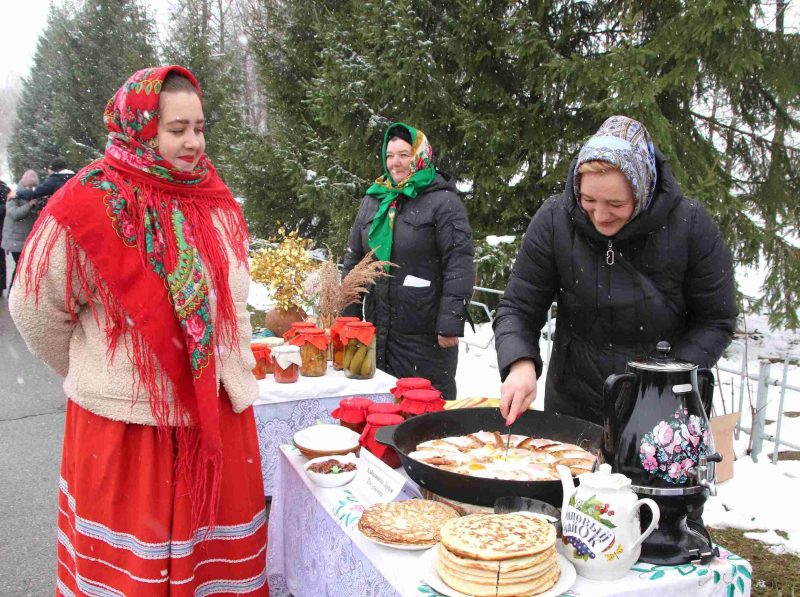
(386,408)
(358,361)
(286,363)
(263,356)
(313,343)
(337,346)
(417,402)
(352,413)
(296,327)
(409,383)
(367,439)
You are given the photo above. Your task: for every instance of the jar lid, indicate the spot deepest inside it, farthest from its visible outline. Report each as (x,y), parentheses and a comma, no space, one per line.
(346,319)
(312,331)
(429,395)
(383,419)
(273,342)
(358,324)
(286,349)
(413,383)
(303,324)
(389,408)
(356,402)
(662,362)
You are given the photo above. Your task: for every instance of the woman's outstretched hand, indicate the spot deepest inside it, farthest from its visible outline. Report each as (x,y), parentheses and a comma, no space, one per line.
(518,390)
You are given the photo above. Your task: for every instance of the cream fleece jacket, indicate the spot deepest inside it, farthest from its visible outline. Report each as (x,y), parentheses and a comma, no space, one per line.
(77,350)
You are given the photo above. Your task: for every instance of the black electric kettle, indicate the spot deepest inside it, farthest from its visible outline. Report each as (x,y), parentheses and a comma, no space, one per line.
(657,433)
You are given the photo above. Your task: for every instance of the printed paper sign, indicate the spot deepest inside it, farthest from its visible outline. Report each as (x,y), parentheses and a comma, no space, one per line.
(375,482)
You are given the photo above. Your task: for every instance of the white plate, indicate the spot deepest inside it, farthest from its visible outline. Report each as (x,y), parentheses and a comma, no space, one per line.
(430,576)
(326,438)
(396,546)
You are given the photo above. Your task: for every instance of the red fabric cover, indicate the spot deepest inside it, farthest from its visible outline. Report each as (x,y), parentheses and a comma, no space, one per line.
(367,439)
(416,402)
(387,408)
(125,502)
(338,326)
(296,326)
(352,410)
(410,383)
(363,331)
(263,355)
(314,336)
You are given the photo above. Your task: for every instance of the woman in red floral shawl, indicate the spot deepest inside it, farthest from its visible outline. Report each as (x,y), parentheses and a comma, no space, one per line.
(133,286)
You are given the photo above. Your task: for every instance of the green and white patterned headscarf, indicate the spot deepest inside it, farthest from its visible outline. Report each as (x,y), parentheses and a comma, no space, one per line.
(390,193)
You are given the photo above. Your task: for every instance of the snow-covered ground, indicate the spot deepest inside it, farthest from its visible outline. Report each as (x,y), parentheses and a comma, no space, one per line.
(761,495)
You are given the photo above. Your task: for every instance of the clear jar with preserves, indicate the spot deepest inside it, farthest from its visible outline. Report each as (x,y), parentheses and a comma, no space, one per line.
(313,345)
(337,346)
(271,343)
(358,360)
(286,363)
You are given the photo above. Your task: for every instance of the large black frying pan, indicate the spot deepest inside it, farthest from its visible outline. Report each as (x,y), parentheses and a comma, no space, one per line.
(473,490)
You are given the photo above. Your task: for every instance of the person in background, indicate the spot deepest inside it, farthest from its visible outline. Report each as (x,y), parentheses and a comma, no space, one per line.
(20,216)
(630,262)
(57,175)
(413,217)
(4,191)
(133,286)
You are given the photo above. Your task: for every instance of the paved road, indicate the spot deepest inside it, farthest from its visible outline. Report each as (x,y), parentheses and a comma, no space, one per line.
(31,429)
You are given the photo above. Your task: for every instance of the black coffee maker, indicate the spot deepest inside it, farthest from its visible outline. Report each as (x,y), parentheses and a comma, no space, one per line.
(657,433)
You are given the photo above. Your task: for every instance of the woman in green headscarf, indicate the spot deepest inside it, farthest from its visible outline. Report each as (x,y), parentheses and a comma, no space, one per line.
(413,217)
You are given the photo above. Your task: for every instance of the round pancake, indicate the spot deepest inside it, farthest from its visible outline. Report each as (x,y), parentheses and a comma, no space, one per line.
(540,585)
(506,566)
(497,536)
(490,577)
(411,522)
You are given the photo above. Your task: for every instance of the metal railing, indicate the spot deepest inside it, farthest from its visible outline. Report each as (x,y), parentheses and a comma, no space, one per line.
(763,383)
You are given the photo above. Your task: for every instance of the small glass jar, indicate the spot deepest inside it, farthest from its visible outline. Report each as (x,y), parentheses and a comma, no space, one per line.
(270,344)
(296,327)
(313,343)
(286,363)
(263,360)
(367,439)
(409,383)
(358,360)
(337,346)
(417,402)
(352,413)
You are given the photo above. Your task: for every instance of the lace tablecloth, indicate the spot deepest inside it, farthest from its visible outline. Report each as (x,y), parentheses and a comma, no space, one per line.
(315,549)
(288,411)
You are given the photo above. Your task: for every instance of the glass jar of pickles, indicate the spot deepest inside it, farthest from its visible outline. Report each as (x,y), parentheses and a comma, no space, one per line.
(286,363)
(337,346)
(358,360)
(313,343)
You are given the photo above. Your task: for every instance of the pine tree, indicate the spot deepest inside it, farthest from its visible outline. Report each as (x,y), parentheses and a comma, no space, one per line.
(107,41)
(507,91)
(33,143)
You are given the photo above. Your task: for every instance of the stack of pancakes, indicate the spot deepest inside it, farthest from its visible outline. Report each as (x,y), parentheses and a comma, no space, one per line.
(411,522)
(502,555)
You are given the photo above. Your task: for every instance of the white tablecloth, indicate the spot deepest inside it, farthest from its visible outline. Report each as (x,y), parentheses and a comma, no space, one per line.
(315,549)
(332,384)
(292,407)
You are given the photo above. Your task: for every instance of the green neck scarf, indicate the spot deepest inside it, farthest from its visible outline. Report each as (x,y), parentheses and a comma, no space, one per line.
(390,194)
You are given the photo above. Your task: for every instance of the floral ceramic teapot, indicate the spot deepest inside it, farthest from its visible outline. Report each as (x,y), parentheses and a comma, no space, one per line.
(601,535)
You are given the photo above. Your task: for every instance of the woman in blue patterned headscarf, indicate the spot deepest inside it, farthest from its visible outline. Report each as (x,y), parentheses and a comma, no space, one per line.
(629,260)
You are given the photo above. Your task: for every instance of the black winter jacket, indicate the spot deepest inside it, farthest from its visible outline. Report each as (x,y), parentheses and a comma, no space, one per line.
(50,185)
(672,279)
(432,241)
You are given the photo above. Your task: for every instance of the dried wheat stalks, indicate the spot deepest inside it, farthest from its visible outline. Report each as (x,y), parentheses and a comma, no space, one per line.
(360,278)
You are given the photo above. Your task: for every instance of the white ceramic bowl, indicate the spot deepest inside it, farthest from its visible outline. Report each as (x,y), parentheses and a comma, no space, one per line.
(325,440)
(332,479)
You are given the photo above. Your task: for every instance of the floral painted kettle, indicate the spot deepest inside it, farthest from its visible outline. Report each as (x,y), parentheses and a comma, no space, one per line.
(601,533)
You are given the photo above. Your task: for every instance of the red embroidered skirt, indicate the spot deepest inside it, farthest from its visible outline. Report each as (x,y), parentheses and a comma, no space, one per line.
(124,517)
